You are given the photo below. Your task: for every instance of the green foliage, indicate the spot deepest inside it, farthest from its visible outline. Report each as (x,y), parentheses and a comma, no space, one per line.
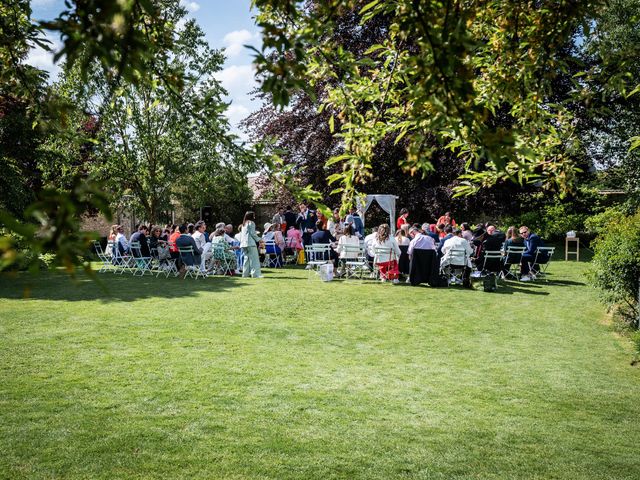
(55,229)
(476,80)
(153,147)
(615,268)
(599,222)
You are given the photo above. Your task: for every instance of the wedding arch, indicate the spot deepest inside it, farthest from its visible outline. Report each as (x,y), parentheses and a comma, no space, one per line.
(386,202)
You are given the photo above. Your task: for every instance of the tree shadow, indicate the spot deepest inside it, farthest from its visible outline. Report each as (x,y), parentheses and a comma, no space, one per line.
(109,287)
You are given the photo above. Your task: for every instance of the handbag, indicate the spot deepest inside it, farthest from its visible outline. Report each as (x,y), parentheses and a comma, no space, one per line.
(163,252)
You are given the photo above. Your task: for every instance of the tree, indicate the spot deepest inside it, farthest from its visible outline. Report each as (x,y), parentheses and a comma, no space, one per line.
(475,79)
(303,139)
(128,55)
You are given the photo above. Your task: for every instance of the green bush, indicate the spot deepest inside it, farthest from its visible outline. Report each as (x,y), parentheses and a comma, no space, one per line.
(550,222)
(615,269)
(598,223)
(18,255)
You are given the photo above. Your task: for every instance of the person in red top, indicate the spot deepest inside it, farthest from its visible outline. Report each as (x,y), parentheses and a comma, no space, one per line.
(172,240)
(402,219)
(447,220)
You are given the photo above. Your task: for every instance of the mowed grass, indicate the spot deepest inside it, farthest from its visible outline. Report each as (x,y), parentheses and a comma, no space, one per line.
(285,377)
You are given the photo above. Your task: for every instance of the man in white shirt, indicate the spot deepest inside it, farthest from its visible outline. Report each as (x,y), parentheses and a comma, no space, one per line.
(457,243)
(420,241)
(201,243)
(121,241)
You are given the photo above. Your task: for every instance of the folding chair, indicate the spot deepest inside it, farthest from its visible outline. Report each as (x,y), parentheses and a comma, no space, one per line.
(219,263)
(103,257)
(491,265)
(355,262)
(290,254)
(317,255)
(454,268)
(140,264)
(188,259)
(378,252)
(270,254)
(512,260)
(541,261)
(121,261)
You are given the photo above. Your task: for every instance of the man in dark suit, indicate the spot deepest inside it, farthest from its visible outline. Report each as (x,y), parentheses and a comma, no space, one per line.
(531,242)
(185,240)
(141,236)
(306,222)
(290,218)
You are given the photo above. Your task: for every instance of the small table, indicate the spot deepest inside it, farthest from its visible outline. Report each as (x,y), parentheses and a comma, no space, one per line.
(575,252)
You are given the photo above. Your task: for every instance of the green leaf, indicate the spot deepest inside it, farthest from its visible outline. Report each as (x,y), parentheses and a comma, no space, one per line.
(369,6)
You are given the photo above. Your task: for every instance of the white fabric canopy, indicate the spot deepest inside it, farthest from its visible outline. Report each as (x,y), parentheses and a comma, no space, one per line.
(386,202)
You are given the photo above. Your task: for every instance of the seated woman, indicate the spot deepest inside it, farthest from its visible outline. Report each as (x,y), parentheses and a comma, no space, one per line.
(387,261)
(335,225)
(274,243)
(348,238)
(513,239)
(294,242)
(222,251)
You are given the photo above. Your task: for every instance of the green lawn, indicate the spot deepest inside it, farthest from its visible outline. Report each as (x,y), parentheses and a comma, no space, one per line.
(285,377)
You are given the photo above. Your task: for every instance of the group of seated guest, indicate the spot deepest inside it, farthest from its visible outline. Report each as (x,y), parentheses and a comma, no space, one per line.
(445,238)
(165,244)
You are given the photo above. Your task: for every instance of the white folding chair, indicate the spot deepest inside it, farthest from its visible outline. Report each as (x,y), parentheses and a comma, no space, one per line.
(121,262)
(355,262)
(317,255)
(491,264)
(384,252)
(140,264)
(270,254)
(219,263)
(541,261)
(191,270)
(103,257)
(455,265)
(512,260)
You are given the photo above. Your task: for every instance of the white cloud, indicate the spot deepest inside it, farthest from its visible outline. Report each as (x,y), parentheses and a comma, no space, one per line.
(234,41)
(190,6)
(238,80)
(236,113)
(40,58)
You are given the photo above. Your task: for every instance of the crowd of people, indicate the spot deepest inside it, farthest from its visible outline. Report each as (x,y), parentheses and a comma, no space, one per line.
(289,232)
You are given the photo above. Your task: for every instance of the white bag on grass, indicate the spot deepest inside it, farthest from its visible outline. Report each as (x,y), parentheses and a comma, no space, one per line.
(326,272)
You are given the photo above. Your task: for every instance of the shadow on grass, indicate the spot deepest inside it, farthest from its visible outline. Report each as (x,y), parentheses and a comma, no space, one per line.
(108,287)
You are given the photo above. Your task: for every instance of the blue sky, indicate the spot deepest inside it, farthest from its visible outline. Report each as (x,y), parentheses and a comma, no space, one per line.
(227,24)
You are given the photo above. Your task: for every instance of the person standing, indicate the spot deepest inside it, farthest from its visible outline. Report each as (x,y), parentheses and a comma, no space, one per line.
(290,218)
(356,222)
(446,219)
(403,218)
(249,241)
(278,217)
(306,223)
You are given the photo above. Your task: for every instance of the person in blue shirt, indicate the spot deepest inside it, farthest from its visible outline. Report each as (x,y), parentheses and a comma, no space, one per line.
(356,222)
(531,242)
